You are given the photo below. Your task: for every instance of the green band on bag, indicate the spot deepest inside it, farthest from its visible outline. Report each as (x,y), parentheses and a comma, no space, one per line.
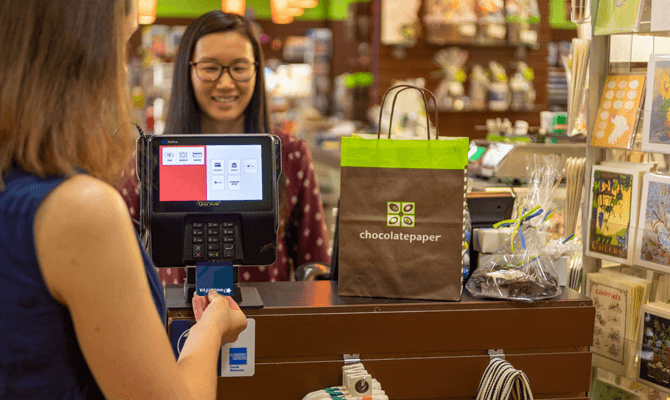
(413,154)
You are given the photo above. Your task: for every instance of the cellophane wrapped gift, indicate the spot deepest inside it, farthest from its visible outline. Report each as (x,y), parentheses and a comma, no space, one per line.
(520,269)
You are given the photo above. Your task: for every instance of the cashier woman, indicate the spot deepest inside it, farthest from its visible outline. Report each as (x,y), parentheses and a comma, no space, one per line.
(82,303)
(218,87)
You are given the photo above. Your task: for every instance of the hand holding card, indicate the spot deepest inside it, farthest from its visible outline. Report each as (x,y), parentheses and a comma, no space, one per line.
(219,312)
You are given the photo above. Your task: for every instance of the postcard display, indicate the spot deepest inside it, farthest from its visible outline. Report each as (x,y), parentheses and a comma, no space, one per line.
(627,215)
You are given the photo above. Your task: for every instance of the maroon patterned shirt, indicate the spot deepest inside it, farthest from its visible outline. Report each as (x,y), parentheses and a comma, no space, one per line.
(302,235)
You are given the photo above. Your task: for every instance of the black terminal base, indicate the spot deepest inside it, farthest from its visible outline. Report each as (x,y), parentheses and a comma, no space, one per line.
(247,297)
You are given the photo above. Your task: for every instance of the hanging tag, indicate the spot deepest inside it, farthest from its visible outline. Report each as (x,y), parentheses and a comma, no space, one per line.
(214,275)
(239,358)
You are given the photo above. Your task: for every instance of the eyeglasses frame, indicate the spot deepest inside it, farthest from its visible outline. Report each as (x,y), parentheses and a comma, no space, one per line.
(223,68)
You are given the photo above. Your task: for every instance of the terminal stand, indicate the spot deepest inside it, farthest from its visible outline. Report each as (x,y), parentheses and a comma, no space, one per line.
(246,297)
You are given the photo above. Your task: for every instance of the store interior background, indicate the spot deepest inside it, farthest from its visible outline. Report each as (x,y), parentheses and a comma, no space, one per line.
(338,50)
(328,69)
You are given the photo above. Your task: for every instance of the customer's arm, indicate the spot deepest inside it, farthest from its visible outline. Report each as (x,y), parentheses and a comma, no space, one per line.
(91,262)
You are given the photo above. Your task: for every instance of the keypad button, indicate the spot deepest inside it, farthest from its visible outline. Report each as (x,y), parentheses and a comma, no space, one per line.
(211,247)
(228,239)
(198,224)
(228,254)
(229,231)
(213,254)
(228,224)
(228,246)
(198,251)
(212,224)
(213,239)
(198,232)
(213,232)
(198,239)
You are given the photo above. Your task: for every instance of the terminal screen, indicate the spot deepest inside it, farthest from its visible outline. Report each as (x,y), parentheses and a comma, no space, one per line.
(210,173)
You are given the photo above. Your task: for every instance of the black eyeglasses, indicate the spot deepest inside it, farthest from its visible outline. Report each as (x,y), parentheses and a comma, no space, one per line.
(211,71)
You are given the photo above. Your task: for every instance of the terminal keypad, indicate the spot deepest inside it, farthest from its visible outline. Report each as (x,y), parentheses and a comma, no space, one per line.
(213,240)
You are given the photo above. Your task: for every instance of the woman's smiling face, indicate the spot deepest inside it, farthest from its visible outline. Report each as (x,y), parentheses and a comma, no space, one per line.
(223,101)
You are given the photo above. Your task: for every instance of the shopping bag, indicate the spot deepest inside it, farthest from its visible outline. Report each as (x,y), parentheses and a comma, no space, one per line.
(401,216)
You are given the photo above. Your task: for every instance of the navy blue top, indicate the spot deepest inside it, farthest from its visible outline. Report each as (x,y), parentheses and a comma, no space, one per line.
(39,354)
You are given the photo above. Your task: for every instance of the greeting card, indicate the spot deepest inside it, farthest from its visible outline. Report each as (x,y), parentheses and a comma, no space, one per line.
(656,127)
(614,201)
(617,16)
(617,299)
(652,247)
(653,368)
(618,112)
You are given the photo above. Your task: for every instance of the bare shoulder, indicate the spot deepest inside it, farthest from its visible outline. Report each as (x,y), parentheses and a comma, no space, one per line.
(83,224)
(83,199)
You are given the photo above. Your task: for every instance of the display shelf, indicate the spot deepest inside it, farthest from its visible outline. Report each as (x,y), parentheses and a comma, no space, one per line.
(605,60)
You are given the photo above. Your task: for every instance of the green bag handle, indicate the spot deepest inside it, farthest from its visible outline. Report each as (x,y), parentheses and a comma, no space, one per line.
(395,97)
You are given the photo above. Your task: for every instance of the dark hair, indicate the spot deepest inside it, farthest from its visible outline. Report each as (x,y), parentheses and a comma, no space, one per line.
(183,114)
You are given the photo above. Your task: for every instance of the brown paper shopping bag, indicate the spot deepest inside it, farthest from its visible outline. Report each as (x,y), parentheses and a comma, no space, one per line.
(401,217)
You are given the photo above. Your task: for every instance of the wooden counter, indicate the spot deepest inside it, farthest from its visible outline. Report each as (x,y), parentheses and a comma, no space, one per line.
(416,349)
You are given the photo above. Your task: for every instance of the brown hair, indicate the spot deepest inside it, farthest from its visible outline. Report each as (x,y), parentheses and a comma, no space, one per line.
(64,103)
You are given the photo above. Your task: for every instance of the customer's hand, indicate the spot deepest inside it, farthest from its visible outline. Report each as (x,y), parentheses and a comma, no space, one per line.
(219,312)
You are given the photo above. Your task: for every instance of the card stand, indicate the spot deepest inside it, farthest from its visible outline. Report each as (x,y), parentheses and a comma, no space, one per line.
(607,11)
(580,11)
(617,245)
(357,384)
(644,364)
(609,385)
(247,297)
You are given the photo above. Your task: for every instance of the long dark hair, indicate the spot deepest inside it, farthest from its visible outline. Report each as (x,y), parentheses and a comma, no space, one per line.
(183,115)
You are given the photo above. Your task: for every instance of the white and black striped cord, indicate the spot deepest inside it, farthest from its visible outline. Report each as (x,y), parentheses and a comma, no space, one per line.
(501,381)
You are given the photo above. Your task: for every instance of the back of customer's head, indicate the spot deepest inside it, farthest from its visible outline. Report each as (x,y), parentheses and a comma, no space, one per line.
(63,87)
(183,112)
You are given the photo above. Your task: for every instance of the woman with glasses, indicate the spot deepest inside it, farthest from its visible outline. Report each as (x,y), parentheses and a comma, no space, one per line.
(218,87)
(83,308)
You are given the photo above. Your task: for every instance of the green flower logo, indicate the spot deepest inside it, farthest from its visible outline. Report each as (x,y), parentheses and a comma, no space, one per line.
(400,214)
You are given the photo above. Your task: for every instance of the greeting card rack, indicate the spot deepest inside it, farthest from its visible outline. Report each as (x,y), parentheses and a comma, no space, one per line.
(626,52)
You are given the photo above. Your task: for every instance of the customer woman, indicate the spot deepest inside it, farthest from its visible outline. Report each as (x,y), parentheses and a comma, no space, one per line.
(218,87)
(82,304)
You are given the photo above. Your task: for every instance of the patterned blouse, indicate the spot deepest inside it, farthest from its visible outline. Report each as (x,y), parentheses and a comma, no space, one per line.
(302,235)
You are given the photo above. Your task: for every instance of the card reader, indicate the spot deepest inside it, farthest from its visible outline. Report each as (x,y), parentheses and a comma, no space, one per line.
(210,198)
